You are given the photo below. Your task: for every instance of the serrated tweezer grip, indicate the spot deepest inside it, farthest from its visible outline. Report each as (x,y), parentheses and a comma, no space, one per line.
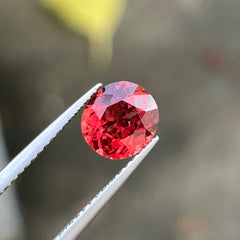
(29,153)
(84,217)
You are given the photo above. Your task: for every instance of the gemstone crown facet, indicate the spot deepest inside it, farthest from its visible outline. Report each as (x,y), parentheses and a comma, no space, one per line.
(120,120)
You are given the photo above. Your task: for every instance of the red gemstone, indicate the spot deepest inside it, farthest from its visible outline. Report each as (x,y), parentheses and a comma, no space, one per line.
(120,120)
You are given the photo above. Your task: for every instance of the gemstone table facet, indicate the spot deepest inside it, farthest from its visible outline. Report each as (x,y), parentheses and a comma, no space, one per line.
(120,120)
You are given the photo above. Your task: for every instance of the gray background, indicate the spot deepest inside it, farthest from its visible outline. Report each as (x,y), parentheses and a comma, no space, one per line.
(186,53)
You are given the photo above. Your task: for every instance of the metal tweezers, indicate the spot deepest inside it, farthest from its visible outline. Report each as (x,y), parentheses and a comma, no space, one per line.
(30,152)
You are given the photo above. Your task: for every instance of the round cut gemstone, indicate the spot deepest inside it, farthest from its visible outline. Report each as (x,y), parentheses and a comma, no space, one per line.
(120,120)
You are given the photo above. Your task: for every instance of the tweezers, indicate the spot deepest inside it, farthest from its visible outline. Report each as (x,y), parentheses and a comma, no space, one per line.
(74,228)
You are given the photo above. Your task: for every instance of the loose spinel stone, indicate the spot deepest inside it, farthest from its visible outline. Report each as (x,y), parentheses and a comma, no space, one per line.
(120,120)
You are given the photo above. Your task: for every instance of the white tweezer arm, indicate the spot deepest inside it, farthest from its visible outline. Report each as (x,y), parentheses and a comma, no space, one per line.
(79,223)
(25,157)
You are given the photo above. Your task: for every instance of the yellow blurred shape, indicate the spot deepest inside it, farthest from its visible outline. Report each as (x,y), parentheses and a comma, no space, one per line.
(96,19)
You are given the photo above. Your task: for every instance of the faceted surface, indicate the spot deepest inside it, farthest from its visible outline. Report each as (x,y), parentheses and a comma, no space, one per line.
(120,120)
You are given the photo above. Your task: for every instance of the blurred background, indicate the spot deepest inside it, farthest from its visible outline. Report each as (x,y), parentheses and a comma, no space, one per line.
(186,53)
